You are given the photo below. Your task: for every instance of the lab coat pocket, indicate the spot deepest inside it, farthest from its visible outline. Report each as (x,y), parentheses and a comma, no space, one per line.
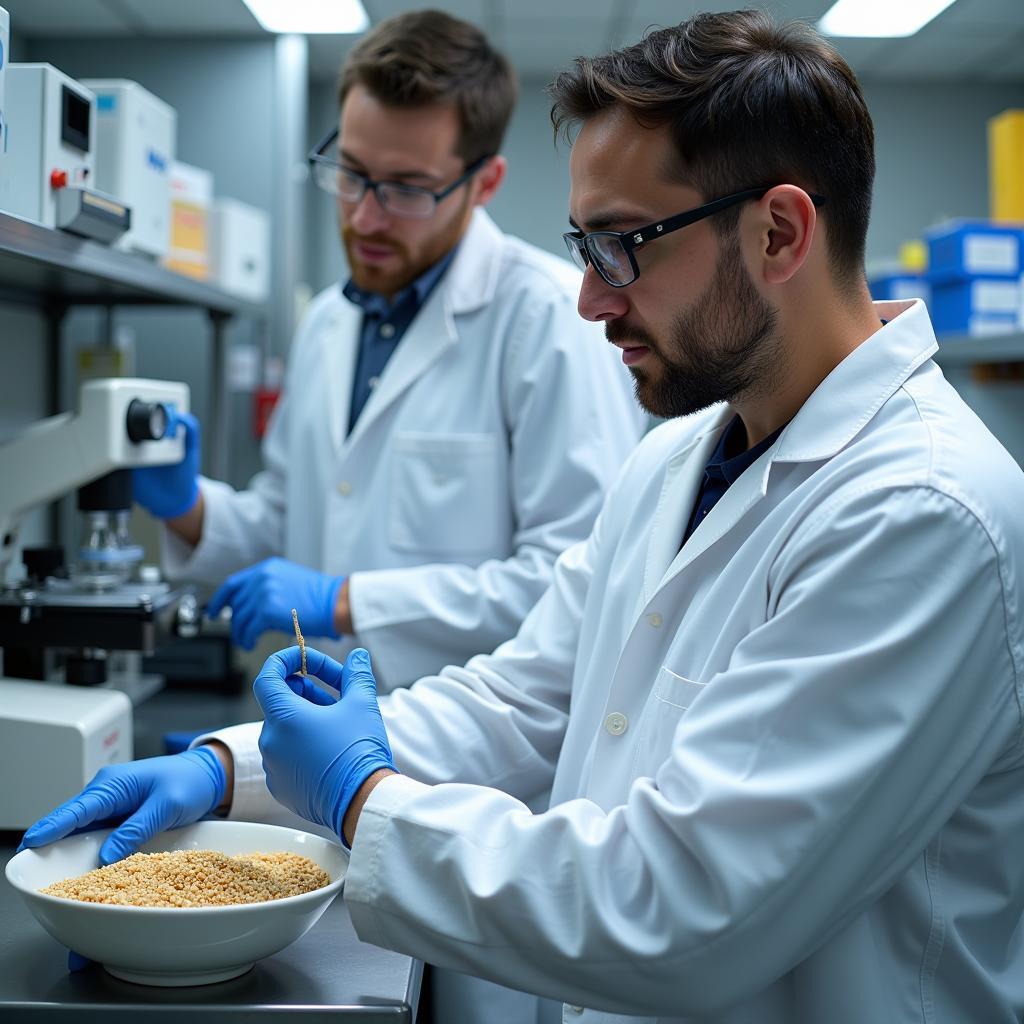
(672,696)
(444,489)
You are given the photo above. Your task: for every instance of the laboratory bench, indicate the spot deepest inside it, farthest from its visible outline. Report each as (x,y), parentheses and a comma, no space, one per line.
(327,974)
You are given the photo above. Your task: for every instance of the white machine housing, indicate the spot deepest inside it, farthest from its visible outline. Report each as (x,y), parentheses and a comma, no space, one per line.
(5,46)
(136,135)
(241,249)
(53,740)
(50,128)
(56,455)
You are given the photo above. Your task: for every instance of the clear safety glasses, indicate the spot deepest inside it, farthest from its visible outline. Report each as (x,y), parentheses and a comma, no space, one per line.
(401,200)
(611,253)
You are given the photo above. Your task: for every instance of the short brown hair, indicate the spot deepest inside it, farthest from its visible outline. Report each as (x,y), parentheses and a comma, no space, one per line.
(748,103)
(425,57)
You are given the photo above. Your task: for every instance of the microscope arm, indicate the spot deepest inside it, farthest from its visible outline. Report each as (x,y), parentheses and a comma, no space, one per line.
(120,424)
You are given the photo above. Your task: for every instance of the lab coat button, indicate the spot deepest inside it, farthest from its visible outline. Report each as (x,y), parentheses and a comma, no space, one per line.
(373,382)
(616,723)
(344,488)
(655,619)
(387,330)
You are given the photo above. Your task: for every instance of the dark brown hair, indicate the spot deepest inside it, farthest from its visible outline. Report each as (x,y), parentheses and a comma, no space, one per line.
(426,57)
(748,103)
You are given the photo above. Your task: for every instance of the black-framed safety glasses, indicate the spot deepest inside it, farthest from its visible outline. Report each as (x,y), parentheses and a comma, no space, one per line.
(611,253)
(395,197)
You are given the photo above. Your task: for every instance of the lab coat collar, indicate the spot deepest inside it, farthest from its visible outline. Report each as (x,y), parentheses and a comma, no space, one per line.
(833,415)
(473,277)
(860,385)
(470,283)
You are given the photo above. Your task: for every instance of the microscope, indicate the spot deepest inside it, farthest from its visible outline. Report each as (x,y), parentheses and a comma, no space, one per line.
(73,636)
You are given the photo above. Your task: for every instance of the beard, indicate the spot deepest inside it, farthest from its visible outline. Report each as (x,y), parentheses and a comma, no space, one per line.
(723,347)
(389,281)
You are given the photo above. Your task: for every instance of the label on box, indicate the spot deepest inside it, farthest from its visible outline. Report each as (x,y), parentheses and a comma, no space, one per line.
(995,297)
(991,254)
(989,326)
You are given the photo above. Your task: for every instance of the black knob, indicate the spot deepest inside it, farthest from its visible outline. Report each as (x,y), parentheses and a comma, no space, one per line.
(147,421)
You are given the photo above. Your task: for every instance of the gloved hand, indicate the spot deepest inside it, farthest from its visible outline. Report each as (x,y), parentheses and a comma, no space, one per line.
(262,597)
(142,797)
(170,491)
(318,751)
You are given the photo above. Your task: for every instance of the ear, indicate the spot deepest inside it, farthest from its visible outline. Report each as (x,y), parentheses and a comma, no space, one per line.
(488,180)
(787,222)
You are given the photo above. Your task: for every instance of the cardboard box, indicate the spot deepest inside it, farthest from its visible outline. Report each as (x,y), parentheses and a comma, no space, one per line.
(191,202)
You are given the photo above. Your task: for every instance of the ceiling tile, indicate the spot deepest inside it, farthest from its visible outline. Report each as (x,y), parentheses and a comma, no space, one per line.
(65,18)
(992,14)
(190,17)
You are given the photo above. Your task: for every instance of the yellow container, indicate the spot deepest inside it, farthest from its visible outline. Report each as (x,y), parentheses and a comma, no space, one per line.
(1006,166)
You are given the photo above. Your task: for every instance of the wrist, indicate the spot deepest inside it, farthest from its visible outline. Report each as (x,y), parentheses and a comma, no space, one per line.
(342,615)
(189,525)
(355,807)
(222,755)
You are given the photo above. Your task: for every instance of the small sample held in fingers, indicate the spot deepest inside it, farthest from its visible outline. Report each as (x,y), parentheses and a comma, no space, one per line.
(298,637)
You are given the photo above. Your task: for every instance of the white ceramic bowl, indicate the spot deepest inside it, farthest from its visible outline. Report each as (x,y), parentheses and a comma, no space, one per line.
(177,945)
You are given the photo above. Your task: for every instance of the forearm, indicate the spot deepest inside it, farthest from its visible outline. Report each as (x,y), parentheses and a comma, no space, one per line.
(189,527)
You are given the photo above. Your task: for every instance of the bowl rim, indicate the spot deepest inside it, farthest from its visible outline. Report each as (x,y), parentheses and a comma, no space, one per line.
(333,887)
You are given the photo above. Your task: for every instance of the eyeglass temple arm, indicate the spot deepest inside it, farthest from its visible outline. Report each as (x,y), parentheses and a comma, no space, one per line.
(317,152)
(683,219)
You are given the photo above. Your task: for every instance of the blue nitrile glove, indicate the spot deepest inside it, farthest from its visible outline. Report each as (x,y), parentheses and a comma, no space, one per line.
(142,797)
(262,597)
(170,491)
(318,751)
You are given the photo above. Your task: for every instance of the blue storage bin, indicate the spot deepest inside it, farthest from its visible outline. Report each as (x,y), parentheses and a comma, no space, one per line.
(898,287)
(973,248)
(976,306)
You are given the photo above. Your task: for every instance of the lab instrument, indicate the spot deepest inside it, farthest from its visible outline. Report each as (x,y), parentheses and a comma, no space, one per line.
(89,623)
(136,135)
(240,247)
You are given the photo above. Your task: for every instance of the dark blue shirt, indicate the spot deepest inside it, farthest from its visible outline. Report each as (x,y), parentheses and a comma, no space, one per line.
(384,323)
(729,459)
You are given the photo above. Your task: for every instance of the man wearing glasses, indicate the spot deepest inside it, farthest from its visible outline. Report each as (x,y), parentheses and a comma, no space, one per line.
(779,689)
(448,425)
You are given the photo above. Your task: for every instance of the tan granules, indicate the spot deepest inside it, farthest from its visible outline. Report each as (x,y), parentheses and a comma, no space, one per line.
(194,878)
(299,639)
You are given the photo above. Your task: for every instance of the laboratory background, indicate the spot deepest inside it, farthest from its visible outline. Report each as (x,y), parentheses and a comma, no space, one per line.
(158,220)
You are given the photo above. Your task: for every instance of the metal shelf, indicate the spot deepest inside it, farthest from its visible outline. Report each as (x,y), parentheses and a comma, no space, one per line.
(41,266)
(961,350)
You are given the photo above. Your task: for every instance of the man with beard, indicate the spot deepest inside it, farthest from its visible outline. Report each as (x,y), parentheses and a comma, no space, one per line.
(448,426)
(779,689)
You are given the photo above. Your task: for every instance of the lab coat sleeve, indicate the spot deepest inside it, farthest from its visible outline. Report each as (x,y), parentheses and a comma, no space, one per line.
(802,783)
(497,722)
(243,527)
(572,421)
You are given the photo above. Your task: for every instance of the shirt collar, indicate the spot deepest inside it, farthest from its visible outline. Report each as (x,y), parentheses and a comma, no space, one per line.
(730,466)
(373,304)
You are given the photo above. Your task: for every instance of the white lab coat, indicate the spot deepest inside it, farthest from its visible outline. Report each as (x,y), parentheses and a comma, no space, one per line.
(484,452)
(787,759)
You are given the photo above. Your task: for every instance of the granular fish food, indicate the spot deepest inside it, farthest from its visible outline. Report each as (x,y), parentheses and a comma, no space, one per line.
(194,878)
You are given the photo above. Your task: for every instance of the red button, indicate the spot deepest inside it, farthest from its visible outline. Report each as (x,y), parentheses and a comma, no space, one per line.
(58,179)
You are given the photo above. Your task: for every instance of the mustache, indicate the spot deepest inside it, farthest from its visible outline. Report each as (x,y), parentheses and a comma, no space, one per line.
(350,235)
(621,333)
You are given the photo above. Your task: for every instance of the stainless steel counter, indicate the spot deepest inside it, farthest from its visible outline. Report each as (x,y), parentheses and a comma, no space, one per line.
(327,973)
